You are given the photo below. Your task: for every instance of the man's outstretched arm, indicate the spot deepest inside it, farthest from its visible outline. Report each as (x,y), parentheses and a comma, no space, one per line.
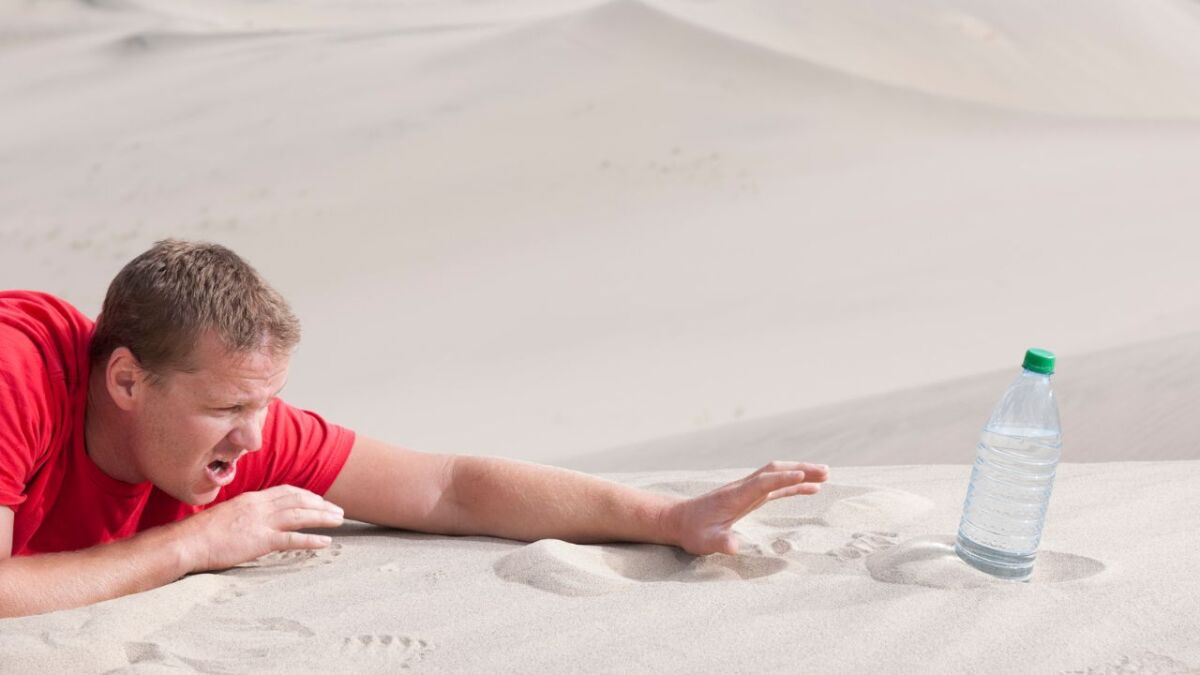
(456,494)
(530,501)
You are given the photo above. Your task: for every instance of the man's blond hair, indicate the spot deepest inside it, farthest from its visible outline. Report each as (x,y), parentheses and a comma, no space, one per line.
(164,300)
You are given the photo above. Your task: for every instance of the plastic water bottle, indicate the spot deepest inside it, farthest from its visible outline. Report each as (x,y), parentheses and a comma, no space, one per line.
(1013,475)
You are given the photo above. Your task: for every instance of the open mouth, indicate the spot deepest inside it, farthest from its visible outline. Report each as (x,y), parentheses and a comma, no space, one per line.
(220,471)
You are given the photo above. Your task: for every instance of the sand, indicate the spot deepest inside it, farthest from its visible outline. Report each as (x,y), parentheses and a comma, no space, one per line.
(860,578)
(668,241)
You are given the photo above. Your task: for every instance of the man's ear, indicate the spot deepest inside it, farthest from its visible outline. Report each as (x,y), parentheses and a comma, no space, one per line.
(124,378)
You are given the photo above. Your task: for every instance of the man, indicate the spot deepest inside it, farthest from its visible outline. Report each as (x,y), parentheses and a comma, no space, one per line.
(153,444)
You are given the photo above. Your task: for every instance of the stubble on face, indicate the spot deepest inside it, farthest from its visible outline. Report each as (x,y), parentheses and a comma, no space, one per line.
(213,412)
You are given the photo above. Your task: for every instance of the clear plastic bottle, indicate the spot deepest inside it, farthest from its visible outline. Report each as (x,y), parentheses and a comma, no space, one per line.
(1018,454)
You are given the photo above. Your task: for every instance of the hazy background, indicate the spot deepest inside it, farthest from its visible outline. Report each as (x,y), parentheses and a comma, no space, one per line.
(558,230)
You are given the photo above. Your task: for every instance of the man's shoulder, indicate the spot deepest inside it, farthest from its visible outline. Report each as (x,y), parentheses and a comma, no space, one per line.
(40,326)
(37,305)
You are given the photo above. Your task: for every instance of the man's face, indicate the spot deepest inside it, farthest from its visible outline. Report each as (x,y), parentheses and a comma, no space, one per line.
(192,428)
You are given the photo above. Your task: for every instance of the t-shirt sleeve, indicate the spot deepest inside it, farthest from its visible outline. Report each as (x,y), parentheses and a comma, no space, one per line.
(43,382)
(26,418)
(300,448)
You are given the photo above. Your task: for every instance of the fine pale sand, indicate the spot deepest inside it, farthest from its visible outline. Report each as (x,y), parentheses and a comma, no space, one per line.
(860,578)
(669,237)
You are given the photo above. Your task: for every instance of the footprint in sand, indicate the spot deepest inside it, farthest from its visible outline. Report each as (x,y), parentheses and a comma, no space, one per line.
(429,579)
(837,526)
(389,651)
(258,643)
(862,544)
(271,624)
(289,561)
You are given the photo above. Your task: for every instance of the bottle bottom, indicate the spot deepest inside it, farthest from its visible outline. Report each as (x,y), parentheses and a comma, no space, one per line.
(1000,564)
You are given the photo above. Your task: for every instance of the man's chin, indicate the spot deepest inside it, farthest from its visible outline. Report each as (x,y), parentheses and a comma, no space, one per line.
(194,498)
(205,497)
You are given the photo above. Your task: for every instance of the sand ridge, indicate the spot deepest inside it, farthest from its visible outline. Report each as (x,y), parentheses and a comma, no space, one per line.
(1127,403)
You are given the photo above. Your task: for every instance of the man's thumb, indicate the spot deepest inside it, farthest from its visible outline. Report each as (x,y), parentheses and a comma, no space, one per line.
(727,544)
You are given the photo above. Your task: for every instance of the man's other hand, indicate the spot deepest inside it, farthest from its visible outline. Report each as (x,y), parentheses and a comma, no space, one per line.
(254,524)
(704,524)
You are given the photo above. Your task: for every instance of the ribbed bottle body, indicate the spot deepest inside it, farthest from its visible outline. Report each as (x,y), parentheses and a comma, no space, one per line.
(1004,512)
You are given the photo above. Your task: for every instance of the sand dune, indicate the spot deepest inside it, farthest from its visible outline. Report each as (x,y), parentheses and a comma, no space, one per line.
(589,224)
(607,40)
(663,236)
(1078,58)
(225,16)
(1126,404)
(1071,58)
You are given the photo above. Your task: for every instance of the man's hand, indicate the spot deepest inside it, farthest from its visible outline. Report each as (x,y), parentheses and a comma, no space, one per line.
(241,529)
(254,524)
(703,524)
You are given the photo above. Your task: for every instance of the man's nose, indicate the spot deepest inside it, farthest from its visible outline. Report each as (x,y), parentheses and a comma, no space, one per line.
(247,435)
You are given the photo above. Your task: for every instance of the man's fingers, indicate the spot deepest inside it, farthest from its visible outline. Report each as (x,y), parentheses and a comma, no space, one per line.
(287,541)
(775,465)
(815,473)
(292,495)
(802,489)
(767,482)
(281,490)
(299,518)
(303,499)
(753,492)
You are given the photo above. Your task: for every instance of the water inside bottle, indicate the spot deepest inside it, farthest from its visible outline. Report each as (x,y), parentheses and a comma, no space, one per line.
(1007,499)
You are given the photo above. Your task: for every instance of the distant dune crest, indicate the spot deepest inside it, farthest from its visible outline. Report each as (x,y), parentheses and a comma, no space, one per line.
(1105,59)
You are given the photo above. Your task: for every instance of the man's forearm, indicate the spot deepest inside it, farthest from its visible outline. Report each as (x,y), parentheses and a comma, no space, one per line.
(47,582)
(519,500)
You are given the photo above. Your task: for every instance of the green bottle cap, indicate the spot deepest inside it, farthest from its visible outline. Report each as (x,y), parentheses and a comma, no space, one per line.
(1039,361)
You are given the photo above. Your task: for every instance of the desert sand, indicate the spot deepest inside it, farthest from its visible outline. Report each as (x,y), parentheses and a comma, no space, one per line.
(667,241)
(860,578)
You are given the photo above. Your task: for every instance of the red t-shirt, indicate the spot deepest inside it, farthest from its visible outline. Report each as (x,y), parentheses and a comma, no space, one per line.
(61,500)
